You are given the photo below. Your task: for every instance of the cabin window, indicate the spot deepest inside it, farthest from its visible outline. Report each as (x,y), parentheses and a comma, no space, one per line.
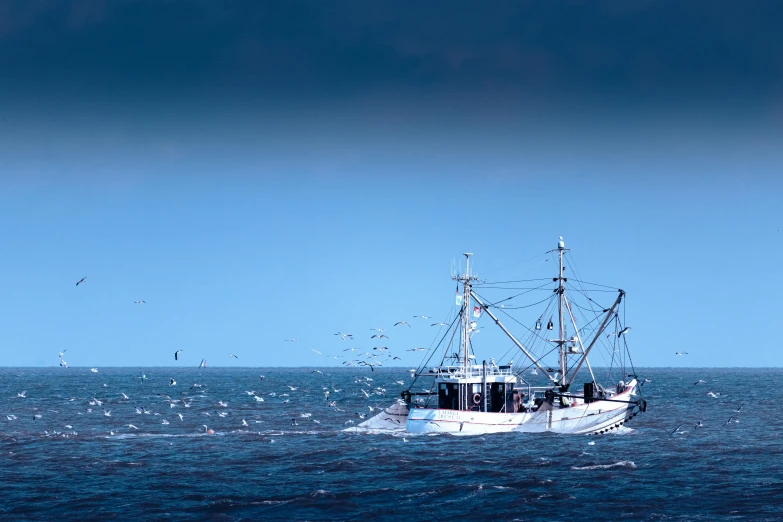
(497,396)
(448,396)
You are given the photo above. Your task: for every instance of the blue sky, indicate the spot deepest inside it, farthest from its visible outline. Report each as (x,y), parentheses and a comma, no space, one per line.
(233,263)
(263,171)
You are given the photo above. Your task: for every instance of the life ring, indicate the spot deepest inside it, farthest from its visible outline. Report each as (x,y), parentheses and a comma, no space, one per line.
(476,398)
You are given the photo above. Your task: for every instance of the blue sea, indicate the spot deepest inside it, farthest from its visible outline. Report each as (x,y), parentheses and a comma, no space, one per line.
(75,462)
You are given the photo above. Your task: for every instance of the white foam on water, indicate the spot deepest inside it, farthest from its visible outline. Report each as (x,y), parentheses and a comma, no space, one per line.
(620,464)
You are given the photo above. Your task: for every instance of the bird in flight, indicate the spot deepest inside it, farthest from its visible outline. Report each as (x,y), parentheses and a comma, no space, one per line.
(680,353)
(176,355)
(422,317)
(738,409)
(700,381)
(232,355)
(22,394)
(382,336)
(344,336)
(402,322)
(416,350)
(378,329)
(172,382)
(291,340)
(80,281)
(439,324)
(676,429)
(140,302)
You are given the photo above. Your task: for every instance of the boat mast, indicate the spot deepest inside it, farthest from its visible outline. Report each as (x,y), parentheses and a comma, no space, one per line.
(466,287)
(561,297)
(466,316)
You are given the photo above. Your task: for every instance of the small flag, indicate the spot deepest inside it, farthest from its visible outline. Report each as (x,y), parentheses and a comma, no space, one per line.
(476,311)
(459,297)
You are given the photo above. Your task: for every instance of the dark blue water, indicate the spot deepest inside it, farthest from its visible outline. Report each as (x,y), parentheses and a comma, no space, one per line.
(273,470)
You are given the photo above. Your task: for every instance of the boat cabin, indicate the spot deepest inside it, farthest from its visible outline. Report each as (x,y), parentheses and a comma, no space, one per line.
(484,388)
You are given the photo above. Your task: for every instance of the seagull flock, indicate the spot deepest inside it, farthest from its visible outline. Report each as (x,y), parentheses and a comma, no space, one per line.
(715,395)
(333,397)
(379,355)
(237,412)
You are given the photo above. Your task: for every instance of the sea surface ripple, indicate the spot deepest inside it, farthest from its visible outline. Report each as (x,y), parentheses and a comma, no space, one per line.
(99,467)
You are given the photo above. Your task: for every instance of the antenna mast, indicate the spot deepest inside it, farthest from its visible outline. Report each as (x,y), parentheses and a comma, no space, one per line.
(561,341)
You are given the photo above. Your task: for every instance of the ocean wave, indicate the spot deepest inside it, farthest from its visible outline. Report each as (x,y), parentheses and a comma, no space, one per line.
(620,464)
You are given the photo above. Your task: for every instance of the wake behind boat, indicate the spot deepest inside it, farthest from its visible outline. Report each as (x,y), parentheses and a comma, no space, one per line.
(469,398)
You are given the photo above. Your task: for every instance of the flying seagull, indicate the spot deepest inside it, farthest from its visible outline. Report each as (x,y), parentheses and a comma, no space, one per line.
(439,324)
(172,382)
(232,355)
(80,281)
(676,429)
(140,302)
(700,381)
(382,336)
(402,322)
(422,317)
(738,409)
(176,355)
(680,353)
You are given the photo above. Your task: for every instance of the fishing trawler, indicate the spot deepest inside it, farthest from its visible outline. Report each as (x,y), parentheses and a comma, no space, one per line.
(468,398)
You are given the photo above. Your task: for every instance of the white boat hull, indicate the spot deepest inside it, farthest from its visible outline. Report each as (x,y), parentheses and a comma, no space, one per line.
(595,417)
